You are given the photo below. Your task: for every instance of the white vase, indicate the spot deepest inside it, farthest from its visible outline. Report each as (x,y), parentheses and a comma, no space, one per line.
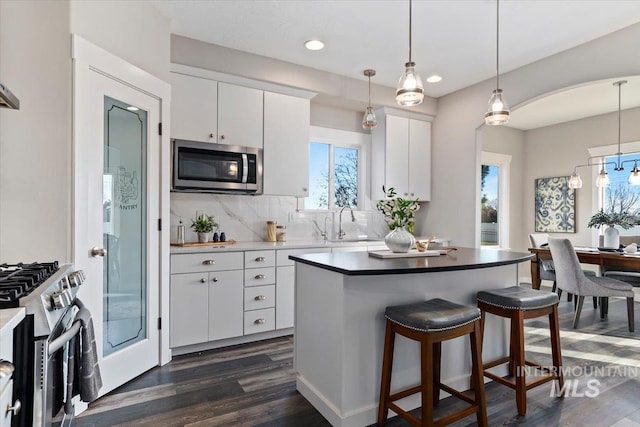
(399,240)
(611,238)
(204,237)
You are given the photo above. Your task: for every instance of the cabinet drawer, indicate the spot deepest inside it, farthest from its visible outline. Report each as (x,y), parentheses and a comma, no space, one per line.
(258,297)
(259,320)
(259,259)
(282,257)
(209,261)
(260,276)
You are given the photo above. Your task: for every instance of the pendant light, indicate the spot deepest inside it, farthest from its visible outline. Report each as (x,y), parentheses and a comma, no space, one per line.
(410,91)
(603,178)
(575,181)
(498,112)
(369,120)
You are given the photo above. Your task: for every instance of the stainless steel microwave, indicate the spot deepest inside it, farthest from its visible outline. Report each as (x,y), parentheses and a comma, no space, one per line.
(216,168)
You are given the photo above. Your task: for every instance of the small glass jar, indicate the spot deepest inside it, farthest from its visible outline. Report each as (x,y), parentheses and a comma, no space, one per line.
(271,231)
(281,233)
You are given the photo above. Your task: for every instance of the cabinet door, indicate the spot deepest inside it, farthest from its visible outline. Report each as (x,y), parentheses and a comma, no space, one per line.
(189,309)
(240,115)
(284,297)
(226,304)
(194,108)
(5,402)
(397,155)
(420,159)
(286,145)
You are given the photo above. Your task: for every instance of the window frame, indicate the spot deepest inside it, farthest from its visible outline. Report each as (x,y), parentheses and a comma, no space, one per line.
(503,163)
(342,139)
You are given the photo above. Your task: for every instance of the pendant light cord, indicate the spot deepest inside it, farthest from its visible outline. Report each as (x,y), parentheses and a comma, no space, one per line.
(497,44)
(369,89)
(410,30)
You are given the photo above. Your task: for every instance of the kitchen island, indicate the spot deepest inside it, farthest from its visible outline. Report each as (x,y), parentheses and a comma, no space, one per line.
(339,323)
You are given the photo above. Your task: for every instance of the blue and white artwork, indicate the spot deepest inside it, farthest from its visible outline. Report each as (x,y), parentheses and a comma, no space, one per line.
(555,205)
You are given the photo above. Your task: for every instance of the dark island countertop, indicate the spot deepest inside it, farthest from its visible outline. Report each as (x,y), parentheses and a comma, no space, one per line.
(361,264)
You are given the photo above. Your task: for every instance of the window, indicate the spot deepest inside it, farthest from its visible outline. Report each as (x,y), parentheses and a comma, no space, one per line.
(494,200)
(619,196)
(335,170)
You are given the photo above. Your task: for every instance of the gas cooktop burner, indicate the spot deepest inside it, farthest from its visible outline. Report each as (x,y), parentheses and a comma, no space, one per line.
(19,280)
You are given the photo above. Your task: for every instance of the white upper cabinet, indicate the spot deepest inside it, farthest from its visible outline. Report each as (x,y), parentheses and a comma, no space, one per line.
(194,108)
(286,145)
(240,115)
(401,156)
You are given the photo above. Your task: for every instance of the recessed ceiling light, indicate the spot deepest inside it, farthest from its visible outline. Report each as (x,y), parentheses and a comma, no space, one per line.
(132,108)
(314,44)
(434,78)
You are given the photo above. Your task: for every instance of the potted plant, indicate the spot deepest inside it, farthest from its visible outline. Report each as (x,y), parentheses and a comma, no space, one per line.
(399,214)
(611,234)
(204,226)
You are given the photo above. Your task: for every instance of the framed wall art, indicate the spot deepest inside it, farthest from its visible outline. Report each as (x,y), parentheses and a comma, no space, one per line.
(555,206)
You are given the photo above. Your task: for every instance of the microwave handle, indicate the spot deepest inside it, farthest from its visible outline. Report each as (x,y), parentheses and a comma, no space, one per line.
(245,168)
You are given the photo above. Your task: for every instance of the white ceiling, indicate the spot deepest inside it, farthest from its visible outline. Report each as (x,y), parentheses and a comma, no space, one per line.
(455,39)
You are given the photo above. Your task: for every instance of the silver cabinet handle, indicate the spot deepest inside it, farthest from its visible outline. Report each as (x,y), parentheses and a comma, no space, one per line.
(259,321)
(304,189)
(208,262)
(260,276)
(203,281)
(98,251)
(260,259)
(17,405)
(6,369)
(215,279)
(260,298)
(221,136)
(212,135)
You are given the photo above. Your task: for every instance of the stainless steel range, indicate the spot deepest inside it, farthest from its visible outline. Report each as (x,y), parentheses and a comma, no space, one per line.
(47,291)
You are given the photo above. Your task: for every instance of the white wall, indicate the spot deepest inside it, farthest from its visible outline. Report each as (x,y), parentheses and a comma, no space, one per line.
(452,208)
(554,151)
(35,141)
(504,140)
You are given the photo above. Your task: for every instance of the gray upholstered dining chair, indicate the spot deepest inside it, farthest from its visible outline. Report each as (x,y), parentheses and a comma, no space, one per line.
(547,270)
(569,277)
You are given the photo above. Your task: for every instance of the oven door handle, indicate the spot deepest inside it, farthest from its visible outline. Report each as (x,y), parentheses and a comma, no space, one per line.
(64,338)
(245,168)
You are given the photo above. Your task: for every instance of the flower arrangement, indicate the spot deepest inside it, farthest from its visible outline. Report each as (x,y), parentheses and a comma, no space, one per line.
(203,223)
(623,219)
(398,212)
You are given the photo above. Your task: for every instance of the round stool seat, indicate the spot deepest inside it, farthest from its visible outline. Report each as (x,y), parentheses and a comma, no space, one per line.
(517,298)
(432,315)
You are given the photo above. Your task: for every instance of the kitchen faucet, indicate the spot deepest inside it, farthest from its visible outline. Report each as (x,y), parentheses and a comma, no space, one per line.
(323,233)
(341,232)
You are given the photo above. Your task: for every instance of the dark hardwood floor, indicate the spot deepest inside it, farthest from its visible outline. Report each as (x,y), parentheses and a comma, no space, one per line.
(254,384)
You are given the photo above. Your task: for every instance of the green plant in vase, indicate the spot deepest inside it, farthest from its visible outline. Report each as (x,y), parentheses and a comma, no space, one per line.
(203,225)
(611,234)
(399,214)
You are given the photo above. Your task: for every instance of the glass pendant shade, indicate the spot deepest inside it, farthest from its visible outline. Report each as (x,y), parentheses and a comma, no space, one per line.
(498,112)
(575,181)
(410,90)
(369,120)
(603,179)
(634,176)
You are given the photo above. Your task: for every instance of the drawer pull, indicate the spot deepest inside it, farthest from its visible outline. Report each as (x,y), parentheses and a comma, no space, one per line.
(203,280)
(208,262)
(259,321)
(215,279)
(260,259)
(17,405)
(260,298)
(260,276)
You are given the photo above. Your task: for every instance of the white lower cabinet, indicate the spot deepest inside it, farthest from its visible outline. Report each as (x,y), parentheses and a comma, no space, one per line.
(259,321)
(5,402)
(189,309)
(225,304)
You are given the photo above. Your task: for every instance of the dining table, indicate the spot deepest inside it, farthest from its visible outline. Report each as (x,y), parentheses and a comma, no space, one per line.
(610,260)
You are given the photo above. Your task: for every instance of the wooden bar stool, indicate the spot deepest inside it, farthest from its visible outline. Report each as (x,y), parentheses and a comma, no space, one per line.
(430,323)
(517,304)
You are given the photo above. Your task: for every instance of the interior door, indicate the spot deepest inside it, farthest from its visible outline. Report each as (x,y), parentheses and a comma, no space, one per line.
(117,157)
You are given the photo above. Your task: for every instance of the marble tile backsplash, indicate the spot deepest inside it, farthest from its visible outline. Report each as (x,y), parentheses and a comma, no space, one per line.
(244,218)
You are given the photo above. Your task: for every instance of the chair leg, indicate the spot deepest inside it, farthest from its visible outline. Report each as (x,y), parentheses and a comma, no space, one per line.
(569,296)
(519,362)
(426,374)
(602,304)
(437,356)
(595,302)
(576,317)
(477,375)
(553,288)
(630,314)
(559,293)
(575,302)
(387,364)
(556,354)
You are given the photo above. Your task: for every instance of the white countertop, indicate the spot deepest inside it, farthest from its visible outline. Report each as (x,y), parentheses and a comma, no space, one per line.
(257,246)
(10,317)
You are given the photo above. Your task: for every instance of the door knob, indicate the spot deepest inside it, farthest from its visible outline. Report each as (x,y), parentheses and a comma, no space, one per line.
(96,251)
